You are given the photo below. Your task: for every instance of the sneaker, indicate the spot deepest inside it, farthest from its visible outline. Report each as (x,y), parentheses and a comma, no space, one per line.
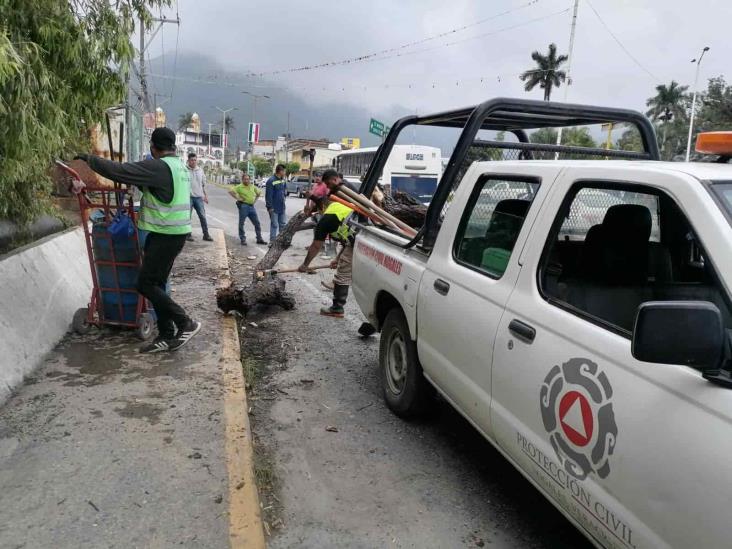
(184,335)
(243,242)
(261,241)
(158,345)
(190,238)
(330,311)
(208,238)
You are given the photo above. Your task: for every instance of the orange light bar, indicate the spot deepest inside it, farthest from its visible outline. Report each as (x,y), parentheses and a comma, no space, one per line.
(714,143)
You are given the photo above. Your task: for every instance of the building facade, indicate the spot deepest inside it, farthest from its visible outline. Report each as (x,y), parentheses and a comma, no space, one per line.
(206,146)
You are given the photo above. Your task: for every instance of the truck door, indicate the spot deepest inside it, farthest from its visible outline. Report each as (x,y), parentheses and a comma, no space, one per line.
(631,451)
(467,281)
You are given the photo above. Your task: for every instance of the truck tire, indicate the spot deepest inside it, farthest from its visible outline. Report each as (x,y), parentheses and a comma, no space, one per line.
(406,392)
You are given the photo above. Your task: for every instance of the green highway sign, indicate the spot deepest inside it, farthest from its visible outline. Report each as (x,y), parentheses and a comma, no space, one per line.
(377,128)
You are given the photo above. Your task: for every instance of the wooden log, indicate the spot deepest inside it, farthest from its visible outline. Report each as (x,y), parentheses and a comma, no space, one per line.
(361,199)
(280,244)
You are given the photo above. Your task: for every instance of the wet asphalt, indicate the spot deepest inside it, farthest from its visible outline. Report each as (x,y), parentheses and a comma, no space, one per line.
(337,468)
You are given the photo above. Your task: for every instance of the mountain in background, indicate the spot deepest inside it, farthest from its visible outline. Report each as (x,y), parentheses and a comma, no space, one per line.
(332,121)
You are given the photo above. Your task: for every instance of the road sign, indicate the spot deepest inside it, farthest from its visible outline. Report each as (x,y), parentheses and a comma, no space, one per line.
(253,133)
(251,171)
(377,128)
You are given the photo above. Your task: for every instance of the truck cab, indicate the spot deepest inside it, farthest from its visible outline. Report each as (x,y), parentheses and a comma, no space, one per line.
(578,313)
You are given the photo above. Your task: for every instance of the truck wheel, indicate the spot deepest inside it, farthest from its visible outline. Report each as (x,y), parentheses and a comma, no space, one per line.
(406,391)
(145,326)
(79,323)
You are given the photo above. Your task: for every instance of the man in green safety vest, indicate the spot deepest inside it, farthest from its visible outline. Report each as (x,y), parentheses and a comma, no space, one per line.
(165,212)
(333,223)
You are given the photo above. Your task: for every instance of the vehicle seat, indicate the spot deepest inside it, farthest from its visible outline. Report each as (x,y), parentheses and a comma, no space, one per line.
(616,251)
(503,229)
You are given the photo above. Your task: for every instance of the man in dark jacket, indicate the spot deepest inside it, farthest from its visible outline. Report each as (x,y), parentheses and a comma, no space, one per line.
(165,212)
(274,199)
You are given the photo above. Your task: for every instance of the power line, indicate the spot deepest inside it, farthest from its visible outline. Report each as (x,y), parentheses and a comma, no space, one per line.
(483,35)
(627,52)
(372,55)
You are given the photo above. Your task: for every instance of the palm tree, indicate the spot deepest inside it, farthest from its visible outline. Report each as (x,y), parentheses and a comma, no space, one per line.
(668,103)
(666,107)
(546,75)
(230,125)
(185,120)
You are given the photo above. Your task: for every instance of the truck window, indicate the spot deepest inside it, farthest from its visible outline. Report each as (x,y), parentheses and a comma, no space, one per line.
(590,206)
(491,224)
(642,248)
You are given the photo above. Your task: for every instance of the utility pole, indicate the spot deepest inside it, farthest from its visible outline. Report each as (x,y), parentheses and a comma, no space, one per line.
(569,67)
(693,101)
(143,70)
(254,113)
(209,138)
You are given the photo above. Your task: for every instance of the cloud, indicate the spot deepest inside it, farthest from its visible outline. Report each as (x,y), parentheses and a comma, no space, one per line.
(261,35)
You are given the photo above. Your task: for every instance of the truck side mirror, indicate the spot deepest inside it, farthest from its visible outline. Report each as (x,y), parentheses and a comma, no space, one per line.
(688,333)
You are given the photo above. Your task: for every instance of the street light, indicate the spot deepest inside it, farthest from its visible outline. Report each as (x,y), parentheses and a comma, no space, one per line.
(223,128)
(254,111)
(254,102)
(693,101)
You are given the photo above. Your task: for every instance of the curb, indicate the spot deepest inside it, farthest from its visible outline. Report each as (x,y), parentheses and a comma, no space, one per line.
(245,518)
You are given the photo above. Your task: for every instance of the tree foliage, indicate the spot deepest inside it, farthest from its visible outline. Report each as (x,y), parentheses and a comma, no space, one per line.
(292,167)
(262,166)
(546,74)
(62,64)
(185,120)
(668,103)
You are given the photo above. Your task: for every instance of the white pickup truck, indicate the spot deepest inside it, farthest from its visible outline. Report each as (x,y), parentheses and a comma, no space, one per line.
(596,359)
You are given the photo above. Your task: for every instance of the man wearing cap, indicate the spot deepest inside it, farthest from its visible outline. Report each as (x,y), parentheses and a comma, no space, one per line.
(165,212)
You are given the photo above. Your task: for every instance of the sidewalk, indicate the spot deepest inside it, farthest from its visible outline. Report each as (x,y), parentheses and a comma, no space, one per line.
(105,447)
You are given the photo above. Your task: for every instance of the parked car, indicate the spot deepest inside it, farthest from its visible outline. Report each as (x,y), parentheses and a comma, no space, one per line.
(298,185)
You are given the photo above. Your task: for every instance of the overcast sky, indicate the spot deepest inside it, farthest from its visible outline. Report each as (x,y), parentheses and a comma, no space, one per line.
(269,35)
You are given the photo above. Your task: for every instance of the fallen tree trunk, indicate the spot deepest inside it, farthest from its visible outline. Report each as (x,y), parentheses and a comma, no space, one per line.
(269,290)
(406,208)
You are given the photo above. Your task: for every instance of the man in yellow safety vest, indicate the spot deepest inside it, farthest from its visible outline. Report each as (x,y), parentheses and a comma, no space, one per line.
(165,212)
(333,223)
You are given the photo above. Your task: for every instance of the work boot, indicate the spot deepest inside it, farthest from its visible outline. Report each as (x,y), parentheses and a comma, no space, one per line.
(207,238)
(340,295)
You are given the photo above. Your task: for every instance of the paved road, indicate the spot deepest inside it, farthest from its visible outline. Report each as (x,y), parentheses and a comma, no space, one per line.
(337,469)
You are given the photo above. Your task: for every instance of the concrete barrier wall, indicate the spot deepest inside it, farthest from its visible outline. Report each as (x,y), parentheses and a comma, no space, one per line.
(41,286)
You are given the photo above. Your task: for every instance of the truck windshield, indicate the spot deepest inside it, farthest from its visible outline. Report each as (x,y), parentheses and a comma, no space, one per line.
(723,189)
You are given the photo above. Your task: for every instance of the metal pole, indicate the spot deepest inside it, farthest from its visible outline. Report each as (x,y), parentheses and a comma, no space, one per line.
(569,67)
(143,86)
(693,102)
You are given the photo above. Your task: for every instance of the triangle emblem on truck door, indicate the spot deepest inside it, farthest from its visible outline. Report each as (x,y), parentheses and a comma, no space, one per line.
(576,418)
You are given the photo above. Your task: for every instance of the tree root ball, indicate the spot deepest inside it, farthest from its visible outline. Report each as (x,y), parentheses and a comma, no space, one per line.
(269,290)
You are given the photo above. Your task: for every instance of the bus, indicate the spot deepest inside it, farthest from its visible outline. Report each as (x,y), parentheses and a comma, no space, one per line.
(412,169)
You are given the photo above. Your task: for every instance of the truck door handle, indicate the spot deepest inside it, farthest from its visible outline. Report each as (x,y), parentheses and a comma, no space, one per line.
(522,330)
(441,286)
